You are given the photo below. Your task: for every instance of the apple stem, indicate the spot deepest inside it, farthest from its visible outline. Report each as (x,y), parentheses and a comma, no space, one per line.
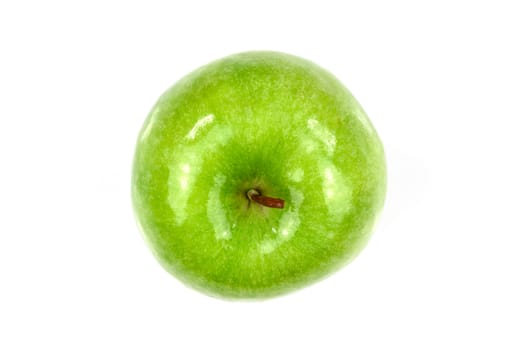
(270,202)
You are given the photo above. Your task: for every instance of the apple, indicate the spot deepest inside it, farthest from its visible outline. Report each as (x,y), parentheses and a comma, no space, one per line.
(256,175)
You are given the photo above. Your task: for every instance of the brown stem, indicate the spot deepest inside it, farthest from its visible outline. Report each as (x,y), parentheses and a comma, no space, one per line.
(254,195)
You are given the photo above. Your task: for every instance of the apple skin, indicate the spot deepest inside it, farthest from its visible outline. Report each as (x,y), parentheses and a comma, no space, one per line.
(267,121)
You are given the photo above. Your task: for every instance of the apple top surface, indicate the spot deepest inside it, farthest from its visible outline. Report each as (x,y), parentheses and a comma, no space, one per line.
(263,121)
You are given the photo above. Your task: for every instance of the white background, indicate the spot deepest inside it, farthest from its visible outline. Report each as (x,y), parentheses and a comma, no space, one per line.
(443,83)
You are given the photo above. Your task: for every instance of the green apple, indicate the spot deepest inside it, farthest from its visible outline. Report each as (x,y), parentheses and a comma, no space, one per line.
(257,175)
